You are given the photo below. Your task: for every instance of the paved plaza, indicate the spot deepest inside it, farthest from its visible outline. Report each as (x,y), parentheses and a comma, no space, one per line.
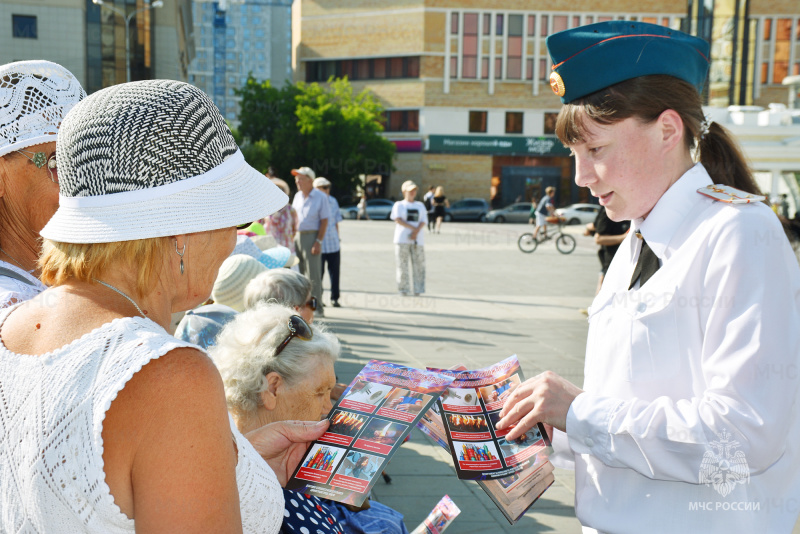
(484,301)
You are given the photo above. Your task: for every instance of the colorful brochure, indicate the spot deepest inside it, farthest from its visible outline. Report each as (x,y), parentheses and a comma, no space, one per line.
(517,492)
(440,517)
(470,408)
(368,423)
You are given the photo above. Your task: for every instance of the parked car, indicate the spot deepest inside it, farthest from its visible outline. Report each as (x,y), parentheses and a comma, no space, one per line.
(469,209)
(515,213)
(579,213)
(377,208)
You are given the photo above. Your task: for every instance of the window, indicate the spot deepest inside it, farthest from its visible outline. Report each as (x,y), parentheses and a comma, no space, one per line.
(499,29)
(559,23)
(783,36)
(514,67)
(453,66)
(477,121)
(514,122)
(454,23)
(487,23)
(362,69)
(396,67)
(550,123)
(402,120)
(469,60)
(24,26)
(543,19)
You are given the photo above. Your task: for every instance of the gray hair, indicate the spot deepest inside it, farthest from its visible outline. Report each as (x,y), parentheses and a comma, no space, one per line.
(245,354)
(277,286)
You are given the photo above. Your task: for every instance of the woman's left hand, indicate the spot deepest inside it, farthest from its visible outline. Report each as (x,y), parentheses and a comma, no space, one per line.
(545,398)
(284,444)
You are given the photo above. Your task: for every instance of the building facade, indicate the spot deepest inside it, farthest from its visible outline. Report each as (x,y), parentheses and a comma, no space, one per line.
(89,39)
(465,83)
(236,38)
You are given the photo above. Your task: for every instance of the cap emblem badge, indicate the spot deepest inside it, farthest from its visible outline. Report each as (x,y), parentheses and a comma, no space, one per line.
(557,84)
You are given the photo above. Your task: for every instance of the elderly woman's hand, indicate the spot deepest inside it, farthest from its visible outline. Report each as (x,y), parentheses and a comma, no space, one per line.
(284,444)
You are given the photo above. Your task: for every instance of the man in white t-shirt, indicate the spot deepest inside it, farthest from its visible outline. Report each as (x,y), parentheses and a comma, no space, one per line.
(410,218)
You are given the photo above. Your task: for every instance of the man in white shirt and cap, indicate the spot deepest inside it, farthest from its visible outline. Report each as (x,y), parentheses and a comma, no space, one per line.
(313,212)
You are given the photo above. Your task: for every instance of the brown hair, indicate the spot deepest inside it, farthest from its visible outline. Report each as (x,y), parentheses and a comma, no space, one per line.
(645,98)
(86,261)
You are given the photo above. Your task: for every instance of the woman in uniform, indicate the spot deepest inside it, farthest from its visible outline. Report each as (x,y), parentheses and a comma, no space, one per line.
(687,420)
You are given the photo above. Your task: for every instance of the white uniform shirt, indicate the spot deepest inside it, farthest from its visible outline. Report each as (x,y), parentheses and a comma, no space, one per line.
(13,290)
(702,359)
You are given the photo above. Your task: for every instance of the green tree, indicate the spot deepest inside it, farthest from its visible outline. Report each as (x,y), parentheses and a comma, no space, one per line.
(326,127)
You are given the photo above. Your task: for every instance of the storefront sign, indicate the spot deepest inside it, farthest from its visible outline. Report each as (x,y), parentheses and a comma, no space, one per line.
(494,145)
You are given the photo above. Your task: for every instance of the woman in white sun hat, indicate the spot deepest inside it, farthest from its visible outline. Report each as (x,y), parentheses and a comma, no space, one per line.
(34,98)
(110,424)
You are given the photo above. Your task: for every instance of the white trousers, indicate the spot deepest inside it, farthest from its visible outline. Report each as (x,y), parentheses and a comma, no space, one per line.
(416,255)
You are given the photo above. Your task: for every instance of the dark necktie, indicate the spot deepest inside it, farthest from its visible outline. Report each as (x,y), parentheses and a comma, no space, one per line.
(646,266)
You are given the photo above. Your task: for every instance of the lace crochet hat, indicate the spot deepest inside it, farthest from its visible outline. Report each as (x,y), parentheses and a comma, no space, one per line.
(34,98)
(152,159)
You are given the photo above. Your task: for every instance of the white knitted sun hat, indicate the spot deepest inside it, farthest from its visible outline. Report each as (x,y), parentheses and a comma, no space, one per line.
(152,159)
(234,275)
(34,98)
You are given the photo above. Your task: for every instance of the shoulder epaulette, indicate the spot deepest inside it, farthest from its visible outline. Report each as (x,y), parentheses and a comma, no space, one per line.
(731,195)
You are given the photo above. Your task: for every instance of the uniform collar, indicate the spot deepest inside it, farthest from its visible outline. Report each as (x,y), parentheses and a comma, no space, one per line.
(672,209)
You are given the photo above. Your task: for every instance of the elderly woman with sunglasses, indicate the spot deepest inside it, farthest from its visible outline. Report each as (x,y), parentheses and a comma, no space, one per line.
(277,367)
(34,98)
(111,425)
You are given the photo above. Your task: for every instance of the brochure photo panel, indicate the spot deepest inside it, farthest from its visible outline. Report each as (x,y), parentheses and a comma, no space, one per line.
(367,425)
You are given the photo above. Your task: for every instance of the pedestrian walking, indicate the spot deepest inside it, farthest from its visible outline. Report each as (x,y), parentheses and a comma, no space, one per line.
(608,234)
(410,217)
(362,208)
(677,424)
(313,213)
(330,243)
(428,201)
(439,203)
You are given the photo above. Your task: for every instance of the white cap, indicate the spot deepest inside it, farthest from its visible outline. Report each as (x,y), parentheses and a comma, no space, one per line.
(305,171)
(322,182)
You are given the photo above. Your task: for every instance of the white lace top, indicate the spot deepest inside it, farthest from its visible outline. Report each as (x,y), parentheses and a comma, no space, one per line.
(13,291)
(51,448)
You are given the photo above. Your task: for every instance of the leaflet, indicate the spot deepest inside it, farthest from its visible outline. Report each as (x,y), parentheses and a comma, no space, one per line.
(367,425)
(513,494)
(470,409)
(440,517)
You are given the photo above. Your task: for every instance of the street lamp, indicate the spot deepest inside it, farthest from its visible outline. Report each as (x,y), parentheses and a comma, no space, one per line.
(128,18)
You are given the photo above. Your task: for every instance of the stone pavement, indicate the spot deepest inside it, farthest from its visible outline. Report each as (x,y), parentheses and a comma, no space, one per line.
(485,300)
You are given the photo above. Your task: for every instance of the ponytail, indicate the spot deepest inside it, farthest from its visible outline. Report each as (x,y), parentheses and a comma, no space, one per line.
(723,160)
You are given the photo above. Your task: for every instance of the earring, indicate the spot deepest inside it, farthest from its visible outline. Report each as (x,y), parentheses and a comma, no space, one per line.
(181,253)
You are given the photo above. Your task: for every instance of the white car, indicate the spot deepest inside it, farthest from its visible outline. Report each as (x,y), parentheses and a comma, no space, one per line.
(579,213)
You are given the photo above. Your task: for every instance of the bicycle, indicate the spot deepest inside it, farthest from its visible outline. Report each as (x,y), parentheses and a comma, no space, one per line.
(565,243)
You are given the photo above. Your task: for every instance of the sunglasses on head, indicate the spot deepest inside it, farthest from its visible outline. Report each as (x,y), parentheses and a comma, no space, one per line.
(297,328)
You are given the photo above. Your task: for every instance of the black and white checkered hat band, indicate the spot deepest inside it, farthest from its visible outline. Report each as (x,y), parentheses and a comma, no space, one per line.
(152,159)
